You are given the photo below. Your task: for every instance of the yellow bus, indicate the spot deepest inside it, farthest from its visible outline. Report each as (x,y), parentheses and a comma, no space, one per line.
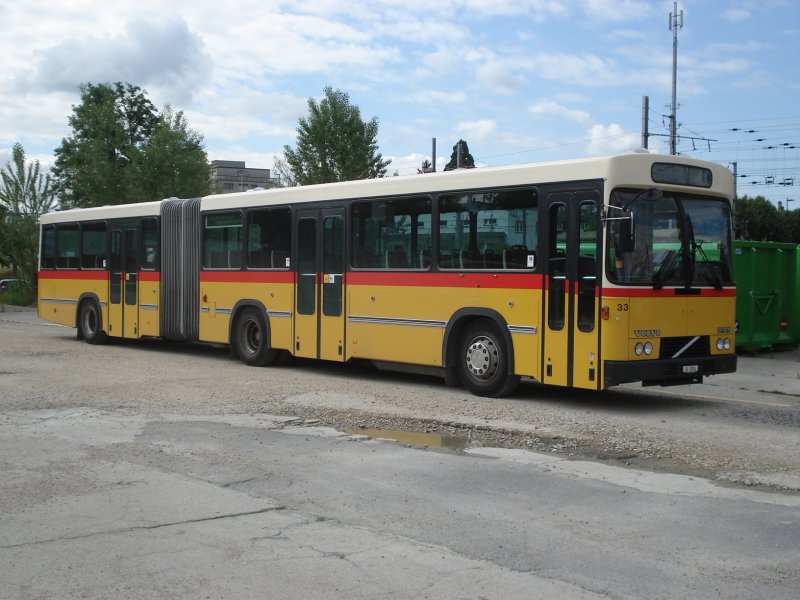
(580,273)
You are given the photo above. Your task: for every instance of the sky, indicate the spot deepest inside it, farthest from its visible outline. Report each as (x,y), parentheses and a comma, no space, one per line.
(519,80)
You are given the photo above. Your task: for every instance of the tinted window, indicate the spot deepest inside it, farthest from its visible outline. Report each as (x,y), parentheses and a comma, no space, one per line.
(48,249)
(222,240)
(150,244)
(67,246)
(93,243)
(488,230)
(269,238)
(392,234)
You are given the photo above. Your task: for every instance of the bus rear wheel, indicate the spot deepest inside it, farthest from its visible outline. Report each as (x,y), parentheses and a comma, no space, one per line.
(483,361)
(90,323)
(251,339)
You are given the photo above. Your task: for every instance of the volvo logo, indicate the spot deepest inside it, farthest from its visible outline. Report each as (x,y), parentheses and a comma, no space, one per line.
(647,332)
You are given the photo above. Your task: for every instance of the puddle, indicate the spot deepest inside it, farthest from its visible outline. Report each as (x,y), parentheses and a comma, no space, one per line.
(431,440)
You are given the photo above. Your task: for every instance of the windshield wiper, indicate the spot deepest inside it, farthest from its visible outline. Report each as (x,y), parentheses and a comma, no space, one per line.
(667,266)
(715,276)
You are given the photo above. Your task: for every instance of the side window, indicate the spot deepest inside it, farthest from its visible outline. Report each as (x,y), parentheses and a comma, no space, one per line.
(93,246)
(492,230)
(222,240)
(557,286)
(392,233)
(150,243)
(48,249)
(269,238)
(587,266)
(67,245)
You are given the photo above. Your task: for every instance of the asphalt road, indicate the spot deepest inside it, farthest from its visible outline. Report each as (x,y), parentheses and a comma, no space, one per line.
(153,471)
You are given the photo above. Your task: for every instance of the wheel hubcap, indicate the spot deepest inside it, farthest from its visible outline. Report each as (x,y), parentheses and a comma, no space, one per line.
(252,337)
(482,358)
(89,321)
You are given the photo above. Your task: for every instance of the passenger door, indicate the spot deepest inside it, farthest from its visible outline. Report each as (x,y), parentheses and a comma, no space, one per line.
(123,296)
(572,290)
(320,284)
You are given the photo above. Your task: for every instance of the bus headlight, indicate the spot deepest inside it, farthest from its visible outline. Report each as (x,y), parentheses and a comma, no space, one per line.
(723,344)
(648,348)
(638,348)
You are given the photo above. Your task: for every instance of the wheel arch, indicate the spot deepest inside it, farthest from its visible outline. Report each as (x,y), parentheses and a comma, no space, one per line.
(458,322)
(88,297)
(237,310)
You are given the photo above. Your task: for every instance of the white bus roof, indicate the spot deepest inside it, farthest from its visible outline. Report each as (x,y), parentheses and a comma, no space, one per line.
(99,213)
(631,169)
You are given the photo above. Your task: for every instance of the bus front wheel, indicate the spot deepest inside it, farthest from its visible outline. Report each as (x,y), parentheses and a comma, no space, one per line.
(90,323)
(483,361)
(251,340)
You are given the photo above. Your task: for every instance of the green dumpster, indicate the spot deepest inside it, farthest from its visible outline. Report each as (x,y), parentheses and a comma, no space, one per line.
(767,294)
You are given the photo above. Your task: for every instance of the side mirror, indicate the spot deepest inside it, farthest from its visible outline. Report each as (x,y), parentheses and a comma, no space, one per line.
(627,233)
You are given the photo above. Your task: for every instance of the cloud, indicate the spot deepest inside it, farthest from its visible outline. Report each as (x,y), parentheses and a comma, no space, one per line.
(617,10)
(736,14)
(165,55)
(498,76)
(548,107)
(611,140)
(477,130)
(587,69)
(438,97)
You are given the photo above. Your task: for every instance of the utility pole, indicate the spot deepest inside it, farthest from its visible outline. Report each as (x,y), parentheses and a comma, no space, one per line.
(645,119)
(675,23)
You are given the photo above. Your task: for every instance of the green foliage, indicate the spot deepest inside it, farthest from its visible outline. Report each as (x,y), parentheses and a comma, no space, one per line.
(25,194)
(18,295)
(118,140)
(109,125)
(759,220)
(333,144)
(173,161)
(467,162)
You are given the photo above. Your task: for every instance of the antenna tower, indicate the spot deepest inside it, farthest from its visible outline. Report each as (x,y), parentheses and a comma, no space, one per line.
(675,23)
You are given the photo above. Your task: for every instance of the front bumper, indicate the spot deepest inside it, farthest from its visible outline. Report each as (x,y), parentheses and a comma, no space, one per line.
(670,371)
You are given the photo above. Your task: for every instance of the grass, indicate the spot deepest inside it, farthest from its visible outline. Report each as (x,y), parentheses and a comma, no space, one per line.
(18,295)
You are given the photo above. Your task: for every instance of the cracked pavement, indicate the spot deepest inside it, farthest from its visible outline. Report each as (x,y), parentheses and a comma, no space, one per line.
(99,504)
(151,471)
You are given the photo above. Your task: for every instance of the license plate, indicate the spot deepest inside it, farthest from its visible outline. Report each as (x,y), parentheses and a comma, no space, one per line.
(691,368)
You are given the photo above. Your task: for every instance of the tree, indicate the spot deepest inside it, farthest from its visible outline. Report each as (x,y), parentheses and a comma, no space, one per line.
(172,161)
(122,150)
(467,162)
(26,194)
(333,144)
(757,219)
(92,167)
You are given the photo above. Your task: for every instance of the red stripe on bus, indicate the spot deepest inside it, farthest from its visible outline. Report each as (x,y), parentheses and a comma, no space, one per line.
(667,293)
(76,275)
(247,276)
(95,275)
(523,281)
(149,276)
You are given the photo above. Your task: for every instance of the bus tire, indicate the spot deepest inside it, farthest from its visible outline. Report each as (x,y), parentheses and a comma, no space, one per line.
(251,339)
(483,361)
(90,323)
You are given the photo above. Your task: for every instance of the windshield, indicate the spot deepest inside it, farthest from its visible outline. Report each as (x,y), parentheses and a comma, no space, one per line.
(676,240)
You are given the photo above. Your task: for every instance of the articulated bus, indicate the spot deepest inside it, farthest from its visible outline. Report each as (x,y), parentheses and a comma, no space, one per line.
(581,273)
